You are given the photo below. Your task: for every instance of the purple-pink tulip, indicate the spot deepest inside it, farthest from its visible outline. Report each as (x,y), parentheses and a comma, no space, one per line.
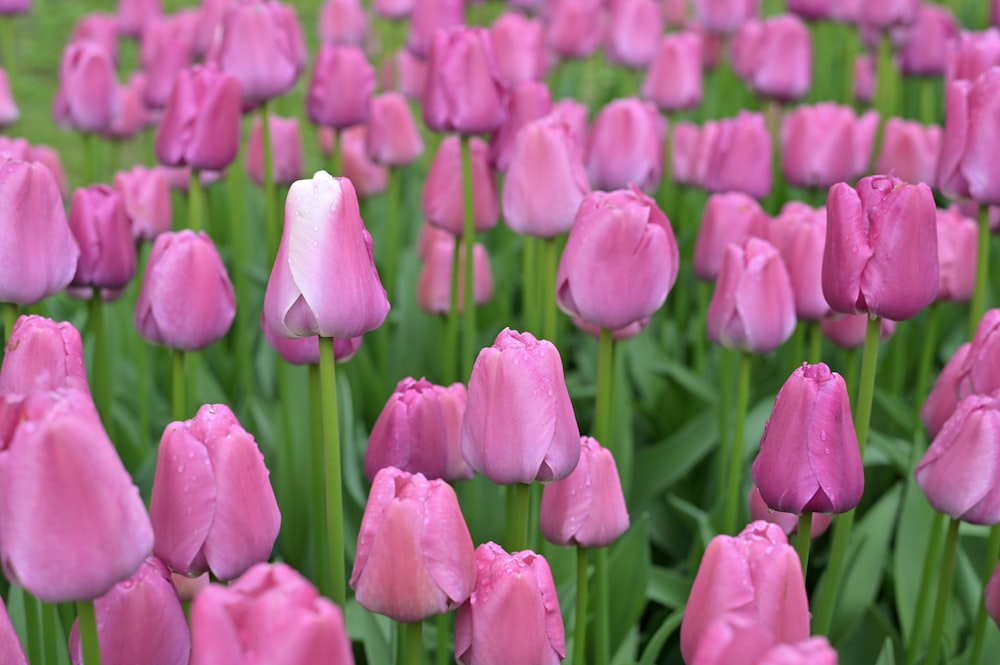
(626,146)
(774,57)
(943,398)
(286,150)
(929,38)
(739,156)
(910,151)
(817,145)
(575,28)
(674,79)
(434,283)
(526,102)
(344,23)
(42,354)
(442,196)
(305,350)
(519,48)
(848,330)
(341,87)
(633,32)
(725,16)
(788,522)
(427,17)
(145,195)
(107,250)
(409,434)
(135,15)
(167,49)
(393,136)
(801,237)
(958,242)
(87,98)
(967,166)
(200,127)
(728,218)
(463,92)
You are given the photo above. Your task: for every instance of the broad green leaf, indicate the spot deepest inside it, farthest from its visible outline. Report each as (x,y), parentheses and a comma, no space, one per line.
(659,466)
(912,532)
(668,587)
(374,631)
(651,653)
(887,655)
(628,572)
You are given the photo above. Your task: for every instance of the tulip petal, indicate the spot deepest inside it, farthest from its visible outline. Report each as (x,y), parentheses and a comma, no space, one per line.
(447,545)
(847,250)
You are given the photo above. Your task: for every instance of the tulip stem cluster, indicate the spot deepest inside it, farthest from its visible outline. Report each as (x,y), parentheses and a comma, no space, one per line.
(469,238)
(580,634)
(978,305)
(412,643)
(944,593)
(272,232)
(102,369)
(733,491)
(179,384)
(923,595)
(195,199)
(88,632)
(979,634)
(9,318)
(803,541)
(334,488)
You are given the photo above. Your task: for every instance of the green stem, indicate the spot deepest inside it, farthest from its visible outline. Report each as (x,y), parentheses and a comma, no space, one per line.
(520,517)
(195,198)
(944,593)
(318,502)
(978,306)
(866,391)
(733,492)
(580,635)
(334,489)
(451,325)
(89,159)
(529,277)
(413,643)
(392,230)
(35,638)
(978,636)
(924,594)
(49,631)
(815,333)
(89,644)
(835,568)
(337,156)
(605,387)
(180,384)
(602,601)
(803,541)
(101,369)
(443,631)
(9,318)
(272,233)
(886,90)
(240,239)
(469,238)
(550,253)
(926,357)
(850,42)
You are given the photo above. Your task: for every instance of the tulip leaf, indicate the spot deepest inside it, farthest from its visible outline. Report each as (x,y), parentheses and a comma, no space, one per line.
(887,655)
(651,653)
(374,631)
(628,567)
(659,466)
(911,548)
(898,409)
(697,385)
(668,587)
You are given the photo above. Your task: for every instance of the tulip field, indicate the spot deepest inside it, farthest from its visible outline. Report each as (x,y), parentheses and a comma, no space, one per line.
(614,332)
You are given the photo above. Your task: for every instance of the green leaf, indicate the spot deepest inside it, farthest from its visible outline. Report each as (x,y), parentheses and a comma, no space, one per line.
(651,653)
(659,466)
(888,655)
(912,532)
(668,587)
(374,631)
(628,572)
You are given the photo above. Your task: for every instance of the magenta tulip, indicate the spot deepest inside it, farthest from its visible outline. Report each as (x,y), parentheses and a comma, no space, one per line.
(145,195)
(575,28)
(107,251)
(774,57)
(967,166)
(344,23)
(341,87)
(626,146)
(87,98)
(200,127)
(519,48)
(463,92)
(633,33)
(930,37)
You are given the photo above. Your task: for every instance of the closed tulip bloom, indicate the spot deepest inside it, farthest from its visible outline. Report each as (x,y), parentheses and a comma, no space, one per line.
(910,151)
(452,399)
(324,279)
(513,614)
(42,354)
(725,16)
(167,48)
(200,127)
(978,375)
(633,32)
(48,157)
(393,136)
(270,615)
(341,87)
(620,261)
(775,56)
(519,48)
(100,29)
(575,28)
(817,145)
(960,473)
(9,113)
(575,114)
(343,23)
(733,639)
(442,196)
(943,398)
(263,47)
(528,101)
(587,507)
(848,330)
(690,145)
(415,555)
(728,218)
(11,650)
(992,594)
(958,240)
(140,620)
(429,16)
(674,79)
(801,245)
(519,424)
(967,165)
(434,283)
(809,459)
(881,253)
(972,54)
(286,151)
(463,92)
(404,72)
(739,158)
(38,254)
(788,522)
(305,350)
(756,573)
(753,307)
(87,98)
(145,195)
(212,507)
(368,177)
(626,146)
(134,15)
(107,251)
(409,434)
(926,51)
(864,79)
(131,115)
(546,180)
(186,300)
(72,523)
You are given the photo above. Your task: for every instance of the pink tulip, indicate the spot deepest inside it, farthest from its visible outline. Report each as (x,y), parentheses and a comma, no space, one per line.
(817,145)
(513,614)
(930,37)
(739,157)
(728,218)
(633,34)
(992,594)
(734,638)
(107,251)
(429,16)
(519,48)
(626,146)
(42,355)
(725,16)
(369,178)
(186,300)
(575,114)
(575,27)
(166,50)
(135,15)
(434,283)
(910,151)
(864,79)
(208,26)
(343,23)
(848,330)
(978,375)
(393,9)
(442,196)
(145,195)
(14,149)
(801,243)
(286,151)
(788,522)
(888,13)
(14,7)
(813,651)
(405,73)
(774,57)
(11,651)
(331,288)
(341,87)
(200,127)
(415,555)
(409,434)
(393,136)
(87,99)
(9,113)
(967,166)
(270,615)
(943,399)
(674,79)
(519,423)
(528,101)
(958,240)
(131,115)
(463,92)
(452,399)
(99,29)
(865,129)
(972,54)
(690,147)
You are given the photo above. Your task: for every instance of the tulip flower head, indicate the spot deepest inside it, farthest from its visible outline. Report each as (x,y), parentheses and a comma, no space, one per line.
(967,166)
(42,354)
(463,92)
(102,230)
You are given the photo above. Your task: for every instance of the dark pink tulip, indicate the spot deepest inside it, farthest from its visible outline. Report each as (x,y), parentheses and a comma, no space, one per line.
(369,178)
(774,57)
(528,101)
(960,473)
(42,355)
(979,375)
(848,330)
(967,166)
(739,157)
(753,307)
(305,350)
(626,146)
(270,615)
(212,507)
(620,261)
(186,301)
(812,9)
(513,614)
(406,73)
(87,99)
(992,594)
(9,113)
(72,523)
(200,127)
(575,28)
(519,424)
(888,13)
(788,522)
(166,50)
(145,195)
(587,507)
(943,398)
(135,15)
(263,47)
(107,251)
(38,254)
(429,16)
(341,87)
(519,48)
(286,151)
(343,23)
(14,7)
(393,136)
(100,29)
(958,240)
(452,399)
(728,218)
(674,79)
(725,16)
(409,434)
(756,573)
(817,145)
(11,651)
(972,54)
(881,254)
(434,283)
(633,33)
(331,288)
(393,9)
(140,620)
(929,38)
(809,459)
(463,92)
(545,181)
(910,151)
(442,195)
(415,555)
(803,237)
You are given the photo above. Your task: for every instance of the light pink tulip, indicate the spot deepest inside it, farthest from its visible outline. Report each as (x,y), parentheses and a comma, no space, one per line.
(633,32)
(739,156)
(910,151)
(42,355)
(107,250)
(427,17)
(463,92)
(200,127)
(145,195)
(575,28)
(286,151)
(343,23)
(87,98)
(519,48)
(341,87)
(434,283)
(958,240)
(728,218)
(626,146)
(674,79)
(393,136)
(442,196)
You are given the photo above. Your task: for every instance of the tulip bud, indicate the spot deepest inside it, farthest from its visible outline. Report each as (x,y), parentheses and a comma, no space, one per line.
(620,261)
(519,423)
(992,594)
(739,157)
(674,79)
(167,49)
(774,57)
(429,16)
(528,101)
(200,127)
(943,399)
(725,16)
(958,242)
(463,92)
(753,307)
(212,507)
(513,614)
(341,87)
(848,330)
(134,15)
(728,218)
(626,146)
(42,355)
(434,283)
(788,522)
(145,195)
(881,253)
(369,178)
(140,620)
(271,614)
(415,555)
(107,251)
(331,288)
(757,573)
(186,300)
(926,51)
(393,136)
(286,151)
(809,460)
(442,196)
(11,651)
(967,165)
(575,27)
(87,98)
(817,145)
(9,113)
(409,434)
(519,48)
(99,29)
(633,33)
(343,23)
(910,151)
(452,399)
